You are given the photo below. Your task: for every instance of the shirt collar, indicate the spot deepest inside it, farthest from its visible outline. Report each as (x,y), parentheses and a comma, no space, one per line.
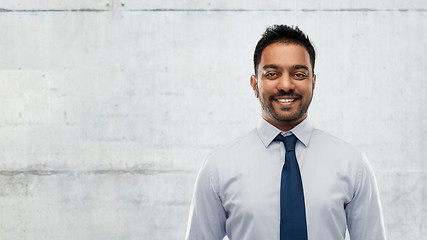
(268,132)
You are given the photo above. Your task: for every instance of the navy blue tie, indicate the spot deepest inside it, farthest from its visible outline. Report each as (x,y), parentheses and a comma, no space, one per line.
(293,225)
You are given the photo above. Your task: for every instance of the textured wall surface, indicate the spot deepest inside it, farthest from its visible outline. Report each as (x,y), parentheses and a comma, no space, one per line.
(108,108)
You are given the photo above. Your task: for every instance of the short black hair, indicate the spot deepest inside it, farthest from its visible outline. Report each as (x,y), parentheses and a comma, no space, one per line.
(283,34)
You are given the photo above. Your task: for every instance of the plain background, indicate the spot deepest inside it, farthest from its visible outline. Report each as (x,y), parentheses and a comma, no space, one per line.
(109,108)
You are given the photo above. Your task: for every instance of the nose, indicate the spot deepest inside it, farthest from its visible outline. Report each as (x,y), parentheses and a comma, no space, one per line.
(285,83)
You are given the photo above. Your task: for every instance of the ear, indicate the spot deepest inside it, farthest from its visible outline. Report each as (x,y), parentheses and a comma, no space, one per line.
(314,82)
(254,84)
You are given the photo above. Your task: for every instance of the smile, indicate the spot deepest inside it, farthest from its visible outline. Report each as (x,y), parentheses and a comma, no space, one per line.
(285,100)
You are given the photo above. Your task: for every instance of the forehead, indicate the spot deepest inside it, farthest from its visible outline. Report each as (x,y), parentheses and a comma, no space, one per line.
(285,55)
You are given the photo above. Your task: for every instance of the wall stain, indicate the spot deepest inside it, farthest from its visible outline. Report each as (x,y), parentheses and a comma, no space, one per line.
(136,171)
(279,10)
(3,10)
(53,10)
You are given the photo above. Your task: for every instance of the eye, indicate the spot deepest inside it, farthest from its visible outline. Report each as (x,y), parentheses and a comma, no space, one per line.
(271,75)
(300,75)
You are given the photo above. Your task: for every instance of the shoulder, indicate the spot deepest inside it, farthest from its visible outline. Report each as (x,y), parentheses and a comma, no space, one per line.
(334,150)
(332,143)
(239,146)
(227,158)
(237,153)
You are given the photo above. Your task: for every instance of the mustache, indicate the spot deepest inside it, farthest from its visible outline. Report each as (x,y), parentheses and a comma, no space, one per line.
(282,93)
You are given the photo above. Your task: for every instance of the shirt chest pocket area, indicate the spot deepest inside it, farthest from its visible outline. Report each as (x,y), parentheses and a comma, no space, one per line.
(328,193)
(251,195)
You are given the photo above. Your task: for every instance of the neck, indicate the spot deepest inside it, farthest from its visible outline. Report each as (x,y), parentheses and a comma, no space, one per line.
(284,125)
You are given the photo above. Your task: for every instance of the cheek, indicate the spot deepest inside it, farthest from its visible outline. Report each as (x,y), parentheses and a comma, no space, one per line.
(262,92)
(265,87)
(260,88)
(306,88)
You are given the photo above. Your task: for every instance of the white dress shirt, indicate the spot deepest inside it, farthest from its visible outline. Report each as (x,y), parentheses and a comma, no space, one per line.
(237,191)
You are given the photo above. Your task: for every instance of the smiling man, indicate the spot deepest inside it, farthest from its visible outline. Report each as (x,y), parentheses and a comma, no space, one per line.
(286,84)
(285,179)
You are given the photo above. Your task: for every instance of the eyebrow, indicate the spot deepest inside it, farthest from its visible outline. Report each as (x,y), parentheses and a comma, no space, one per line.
(300,67)
(274,66)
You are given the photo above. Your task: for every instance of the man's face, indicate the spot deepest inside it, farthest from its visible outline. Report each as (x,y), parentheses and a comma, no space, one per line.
(284,84)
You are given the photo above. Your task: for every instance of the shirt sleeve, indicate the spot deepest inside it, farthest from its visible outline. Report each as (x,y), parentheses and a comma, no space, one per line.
(364,215)
(207,215)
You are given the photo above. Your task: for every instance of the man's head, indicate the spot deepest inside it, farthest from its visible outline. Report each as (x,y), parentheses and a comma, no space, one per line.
(283,34)
(284,80)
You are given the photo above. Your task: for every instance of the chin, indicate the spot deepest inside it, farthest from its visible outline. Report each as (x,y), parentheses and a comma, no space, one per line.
(288,118)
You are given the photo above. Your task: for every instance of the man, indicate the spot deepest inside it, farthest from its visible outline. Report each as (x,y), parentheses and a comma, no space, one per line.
(285,179)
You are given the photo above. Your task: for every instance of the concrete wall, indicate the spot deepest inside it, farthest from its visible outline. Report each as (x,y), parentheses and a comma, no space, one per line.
(108,108)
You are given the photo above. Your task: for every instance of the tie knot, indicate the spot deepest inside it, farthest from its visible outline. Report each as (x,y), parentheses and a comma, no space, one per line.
(289,141)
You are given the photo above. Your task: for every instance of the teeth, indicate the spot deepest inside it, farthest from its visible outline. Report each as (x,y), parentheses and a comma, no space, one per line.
(285,100)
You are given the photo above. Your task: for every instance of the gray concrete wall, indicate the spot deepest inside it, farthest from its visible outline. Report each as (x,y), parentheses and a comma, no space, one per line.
(108,108)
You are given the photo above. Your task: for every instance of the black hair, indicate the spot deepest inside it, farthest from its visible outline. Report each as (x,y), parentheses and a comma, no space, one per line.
(283,34)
